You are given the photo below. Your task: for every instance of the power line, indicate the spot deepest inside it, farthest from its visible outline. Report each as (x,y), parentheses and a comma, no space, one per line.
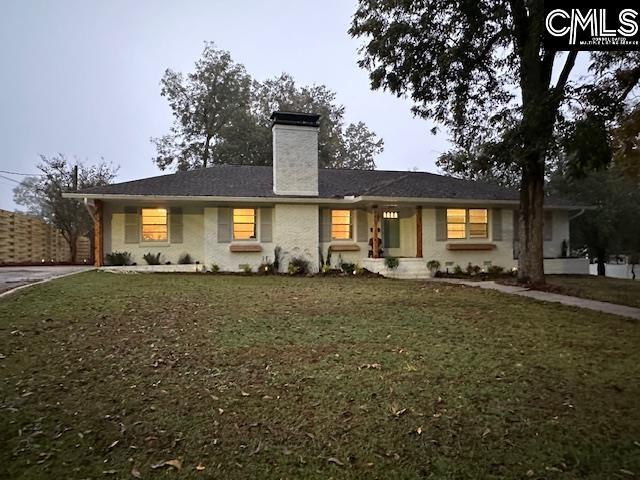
(24,174)
(10,179)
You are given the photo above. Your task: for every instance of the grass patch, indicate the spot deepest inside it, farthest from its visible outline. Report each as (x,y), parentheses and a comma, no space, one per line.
(605,289)
(276,377)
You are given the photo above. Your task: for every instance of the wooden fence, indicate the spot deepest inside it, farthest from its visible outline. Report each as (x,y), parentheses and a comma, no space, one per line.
(25,239)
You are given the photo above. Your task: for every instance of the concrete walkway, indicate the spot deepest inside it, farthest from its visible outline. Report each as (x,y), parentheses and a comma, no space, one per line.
(16,278)
(595,305)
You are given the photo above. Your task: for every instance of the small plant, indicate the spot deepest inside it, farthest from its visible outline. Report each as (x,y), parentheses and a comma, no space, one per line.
(167,262)
(277,257)
(152,259)
(433,266)
(348,268)
(298,266)
(495,270)
(266,268)
(457,270)
(185,259)
(473,270)
(321,257)
(119,258)
(246,268)
(328,260)
(391,262)
(215,268)
(325,268)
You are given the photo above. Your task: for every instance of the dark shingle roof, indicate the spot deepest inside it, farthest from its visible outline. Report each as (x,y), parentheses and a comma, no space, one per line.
(256,181)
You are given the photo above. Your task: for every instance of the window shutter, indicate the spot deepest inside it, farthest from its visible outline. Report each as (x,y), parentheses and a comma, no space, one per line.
(496,224)
(175,225)
(548,226)
(224,225)
(131,225)
(325,225)
(362,232)
(266,225)
(441,224)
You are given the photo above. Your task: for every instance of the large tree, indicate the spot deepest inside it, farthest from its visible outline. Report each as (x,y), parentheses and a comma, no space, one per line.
(42,195)
(221,115)
(206,103)
(479,68)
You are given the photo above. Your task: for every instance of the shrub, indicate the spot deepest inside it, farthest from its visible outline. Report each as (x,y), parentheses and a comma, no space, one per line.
(325,268)
(473,269)
(277,257)
(246,268)
(185,259)
(119,258)
(298,266)
(564,248)
(152,259)
(495,270)
(457,270)
(391,262)
(433,266)
(215,268)
(348,268)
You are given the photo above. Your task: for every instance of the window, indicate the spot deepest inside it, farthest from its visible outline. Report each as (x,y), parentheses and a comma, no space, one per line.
(244,223)
(456,223)
(340,224)
(472,220)
(478,223)
(154,225)
(390,230)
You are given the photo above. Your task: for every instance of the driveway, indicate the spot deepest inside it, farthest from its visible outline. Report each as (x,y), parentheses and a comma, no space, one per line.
(12,277)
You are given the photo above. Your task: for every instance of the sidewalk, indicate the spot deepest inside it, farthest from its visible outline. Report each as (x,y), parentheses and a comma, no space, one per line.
(595,305)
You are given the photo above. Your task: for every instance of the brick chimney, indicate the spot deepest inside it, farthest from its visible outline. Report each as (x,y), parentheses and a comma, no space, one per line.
(295,153)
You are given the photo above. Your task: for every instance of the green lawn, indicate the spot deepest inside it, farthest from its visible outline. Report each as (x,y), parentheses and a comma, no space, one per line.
(614,290)
(105,375)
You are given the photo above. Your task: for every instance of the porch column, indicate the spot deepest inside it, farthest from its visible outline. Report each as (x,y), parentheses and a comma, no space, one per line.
(376,239)
(98,237)
(419,231)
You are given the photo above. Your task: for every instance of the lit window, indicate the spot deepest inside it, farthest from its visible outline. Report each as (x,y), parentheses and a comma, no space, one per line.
(154,225)
(478,223)
(473,220)
(456,223)
(244,223)
(340,224)
(389,214)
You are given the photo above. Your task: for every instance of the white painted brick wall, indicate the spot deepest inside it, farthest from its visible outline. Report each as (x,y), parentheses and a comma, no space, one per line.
(295,160)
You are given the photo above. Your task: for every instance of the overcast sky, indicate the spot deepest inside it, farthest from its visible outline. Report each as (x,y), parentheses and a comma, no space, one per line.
(82,77)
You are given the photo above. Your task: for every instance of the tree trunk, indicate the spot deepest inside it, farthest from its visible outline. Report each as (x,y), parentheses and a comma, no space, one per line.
(73,247)
(205,155)
(531,256)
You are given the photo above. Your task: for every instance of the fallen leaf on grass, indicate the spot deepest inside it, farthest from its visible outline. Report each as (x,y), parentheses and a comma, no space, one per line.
(370,366)
(335,461)
(114,444)
(176,463)
(419,430)
(627,472)
(395,410)
(244,394)
(200,467)
(135,473)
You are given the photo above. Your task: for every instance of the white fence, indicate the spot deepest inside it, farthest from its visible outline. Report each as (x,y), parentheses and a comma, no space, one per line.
(616,270)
